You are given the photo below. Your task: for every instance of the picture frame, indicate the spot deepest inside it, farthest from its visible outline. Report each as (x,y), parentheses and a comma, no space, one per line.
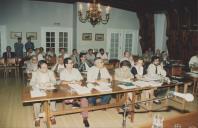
(99,37)
(15,35)
(87,36)
(33,35)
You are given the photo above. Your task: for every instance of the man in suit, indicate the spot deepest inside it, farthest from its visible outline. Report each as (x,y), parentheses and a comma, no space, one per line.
(8,53)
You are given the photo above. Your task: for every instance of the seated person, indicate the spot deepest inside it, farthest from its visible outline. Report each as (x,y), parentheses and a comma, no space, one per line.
(38,54)
(84,64)
(99,73)
(138,69)
(70,74)
(8,53)
(155,71)
(63,53)
(32,64)
(29,53)
(123,73)
(129,57)
(90,56)
(59,66)
(75,58)
(193,61)
(42,52)
(42,78)
(101,54)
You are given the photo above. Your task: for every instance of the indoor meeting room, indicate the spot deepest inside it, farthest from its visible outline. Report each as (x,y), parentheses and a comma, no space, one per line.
(99,63)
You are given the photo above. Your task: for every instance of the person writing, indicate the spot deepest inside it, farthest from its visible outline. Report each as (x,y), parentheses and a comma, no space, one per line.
(71,75)
(98,73)
(41,79)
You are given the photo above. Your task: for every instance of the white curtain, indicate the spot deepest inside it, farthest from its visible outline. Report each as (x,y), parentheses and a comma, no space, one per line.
(160,31)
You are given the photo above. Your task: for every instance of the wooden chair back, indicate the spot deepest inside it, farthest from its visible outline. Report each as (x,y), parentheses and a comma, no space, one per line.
(11,61)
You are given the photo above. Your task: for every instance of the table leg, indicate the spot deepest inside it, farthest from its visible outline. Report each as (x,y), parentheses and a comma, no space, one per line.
(47,113)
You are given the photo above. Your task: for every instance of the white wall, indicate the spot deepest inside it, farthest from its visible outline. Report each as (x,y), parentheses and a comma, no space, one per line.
(119,19)
(29,16)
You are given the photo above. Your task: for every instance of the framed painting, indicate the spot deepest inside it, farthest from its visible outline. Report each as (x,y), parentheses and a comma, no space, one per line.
(99,37)
(87,36)
(32,35)
(15,35)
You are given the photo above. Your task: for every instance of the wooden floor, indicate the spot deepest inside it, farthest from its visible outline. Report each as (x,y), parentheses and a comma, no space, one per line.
(14,115)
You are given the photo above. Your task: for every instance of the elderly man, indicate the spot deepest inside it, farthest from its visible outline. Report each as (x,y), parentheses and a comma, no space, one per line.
(99,73)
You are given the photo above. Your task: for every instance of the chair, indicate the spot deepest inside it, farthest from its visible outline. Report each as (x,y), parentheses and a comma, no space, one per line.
(11,65)
(2,66)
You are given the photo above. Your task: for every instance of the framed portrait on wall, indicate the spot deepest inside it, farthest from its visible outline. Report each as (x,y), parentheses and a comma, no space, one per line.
(15,35)
(99,37)
(33,35)
(87,36)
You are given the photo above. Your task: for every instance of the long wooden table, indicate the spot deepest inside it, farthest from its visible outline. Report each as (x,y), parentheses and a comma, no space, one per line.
(63,92)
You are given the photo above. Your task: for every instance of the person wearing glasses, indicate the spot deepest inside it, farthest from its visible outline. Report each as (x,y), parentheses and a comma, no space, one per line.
(97,74)
(42,79)
(71,75)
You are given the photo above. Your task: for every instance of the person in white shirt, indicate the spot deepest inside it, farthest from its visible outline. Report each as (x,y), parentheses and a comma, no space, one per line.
(124,72)
(101,54)
(72,75)
(42,78)
(99,73)
(91,56)
(59,66)
(193,61)
(38,54)
(32,64)
(63,53)
(129,57)
(155,69)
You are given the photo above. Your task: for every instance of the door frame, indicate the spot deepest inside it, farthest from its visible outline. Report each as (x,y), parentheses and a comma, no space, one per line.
(57,29)
(3,39)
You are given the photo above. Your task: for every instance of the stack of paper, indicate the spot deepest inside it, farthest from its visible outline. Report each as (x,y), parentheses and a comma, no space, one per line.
(37,93)
(103,88)
(154,84)
(147,83)
(80,89)
(141,83)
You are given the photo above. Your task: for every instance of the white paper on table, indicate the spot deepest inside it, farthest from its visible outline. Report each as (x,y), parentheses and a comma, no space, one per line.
(141,83)
(37,93)
(80,89)
(147,83)
(154,84)
(104,84)
(103,88)
(126,87)
(192,74)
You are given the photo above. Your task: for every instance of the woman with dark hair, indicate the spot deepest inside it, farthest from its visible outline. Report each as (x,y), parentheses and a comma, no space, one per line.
(123,72)
(42,79)
(138,70)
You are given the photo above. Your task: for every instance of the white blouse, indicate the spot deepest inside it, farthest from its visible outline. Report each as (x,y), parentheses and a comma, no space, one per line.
(74,75)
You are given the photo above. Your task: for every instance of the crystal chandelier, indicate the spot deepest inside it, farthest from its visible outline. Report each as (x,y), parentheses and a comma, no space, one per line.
(93,14)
